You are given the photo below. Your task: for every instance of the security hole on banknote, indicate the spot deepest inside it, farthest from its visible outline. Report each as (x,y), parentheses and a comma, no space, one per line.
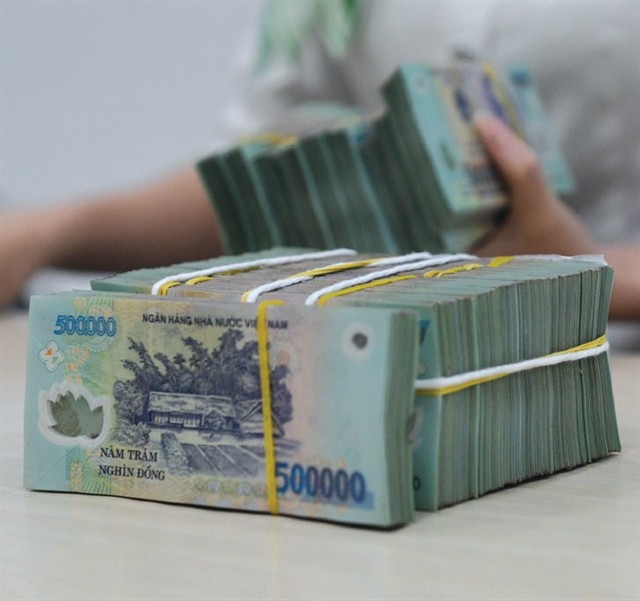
(357,341)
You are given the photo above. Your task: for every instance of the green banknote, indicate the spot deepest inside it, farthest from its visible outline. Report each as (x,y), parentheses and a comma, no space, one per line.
(164,399)
(435,107)
(536,127)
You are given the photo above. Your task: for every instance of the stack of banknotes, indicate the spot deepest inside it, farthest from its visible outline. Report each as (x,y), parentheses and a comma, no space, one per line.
(415,177)
(323,384)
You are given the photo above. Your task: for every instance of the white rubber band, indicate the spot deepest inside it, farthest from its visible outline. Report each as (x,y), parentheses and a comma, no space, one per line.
(312,299)
(403,258)
(252,295)
(283,260)
(509,368)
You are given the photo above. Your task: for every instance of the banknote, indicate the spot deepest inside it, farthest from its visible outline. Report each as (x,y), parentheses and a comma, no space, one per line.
(537,128)
(164,399)
(439,104)
(436,107)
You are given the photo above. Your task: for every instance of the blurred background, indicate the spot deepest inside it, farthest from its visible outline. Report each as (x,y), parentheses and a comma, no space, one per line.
(100,95)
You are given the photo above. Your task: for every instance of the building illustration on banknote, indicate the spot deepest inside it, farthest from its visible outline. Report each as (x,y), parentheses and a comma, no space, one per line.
(202,406)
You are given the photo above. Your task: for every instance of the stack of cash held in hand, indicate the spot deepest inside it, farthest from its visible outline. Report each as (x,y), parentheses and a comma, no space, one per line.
(414,177)
(323,384)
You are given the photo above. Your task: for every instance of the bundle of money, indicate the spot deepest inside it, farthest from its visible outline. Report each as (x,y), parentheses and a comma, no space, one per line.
(511,378)
(288,409)
(414,177)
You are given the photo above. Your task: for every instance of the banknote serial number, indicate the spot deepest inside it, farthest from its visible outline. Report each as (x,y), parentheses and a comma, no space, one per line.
(322,483)
(85,326)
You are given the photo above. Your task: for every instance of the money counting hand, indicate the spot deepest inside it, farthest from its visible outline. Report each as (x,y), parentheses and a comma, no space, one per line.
(413,176)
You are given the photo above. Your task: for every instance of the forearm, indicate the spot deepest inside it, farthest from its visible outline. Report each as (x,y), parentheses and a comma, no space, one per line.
(166,222)
(625,298)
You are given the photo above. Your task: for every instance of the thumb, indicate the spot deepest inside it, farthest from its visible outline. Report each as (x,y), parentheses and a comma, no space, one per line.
(516,161)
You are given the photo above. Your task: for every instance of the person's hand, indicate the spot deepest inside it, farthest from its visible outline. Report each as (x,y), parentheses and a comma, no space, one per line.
(162,222)
(537,222)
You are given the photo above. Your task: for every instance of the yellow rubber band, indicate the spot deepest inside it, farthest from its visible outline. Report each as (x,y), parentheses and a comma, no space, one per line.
(162,291)
(243,298)
(265,386)
(438,273)
(582,347)
(499,261)
(311,273)
(193,281)
(457,387)
(323,299)
(334,268)
(165,287)
(444,390)
(494,262)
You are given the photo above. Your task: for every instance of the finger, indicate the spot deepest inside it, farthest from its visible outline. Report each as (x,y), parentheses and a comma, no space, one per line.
(516,161)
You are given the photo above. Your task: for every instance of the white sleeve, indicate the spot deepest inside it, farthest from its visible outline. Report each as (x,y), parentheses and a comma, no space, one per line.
(260,99)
